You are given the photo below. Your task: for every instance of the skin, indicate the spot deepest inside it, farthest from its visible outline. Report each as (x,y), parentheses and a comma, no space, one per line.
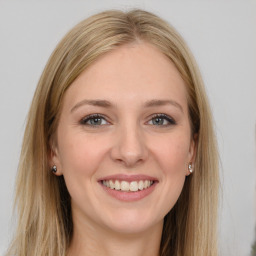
(127,140)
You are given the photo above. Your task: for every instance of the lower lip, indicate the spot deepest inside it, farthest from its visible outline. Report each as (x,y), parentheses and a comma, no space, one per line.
(129,196)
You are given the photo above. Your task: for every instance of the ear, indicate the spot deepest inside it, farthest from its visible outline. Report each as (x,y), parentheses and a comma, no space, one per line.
(192,152)
(54,158)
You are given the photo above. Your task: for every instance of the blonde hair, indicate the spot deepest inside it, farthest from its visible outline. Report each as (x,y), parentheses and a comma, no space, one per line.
(42,200)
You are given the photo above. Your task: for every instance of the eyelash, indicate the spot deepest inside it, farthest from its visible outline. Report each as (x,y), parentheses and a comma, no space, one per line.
(170,120)
(84,121)
(91,117)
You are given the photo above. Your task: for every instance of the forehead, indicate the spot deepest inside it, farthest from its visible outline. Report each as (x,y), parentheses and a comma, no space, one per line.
(131,73)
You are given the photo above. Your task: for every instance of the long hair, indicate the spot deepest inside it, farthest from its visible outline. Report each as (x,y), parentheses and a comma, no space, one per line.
(42,201)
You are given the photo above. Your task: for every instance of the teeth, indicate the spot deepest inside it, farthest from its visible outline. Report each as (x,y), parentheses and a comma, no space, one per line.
(141,184)
(127,186)
(117,185)
(146,183)
(134,186)
(111,184)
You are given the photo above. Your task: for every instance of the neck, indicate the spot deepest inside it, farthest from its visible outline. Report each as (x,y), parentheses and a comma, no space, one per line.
(94,240)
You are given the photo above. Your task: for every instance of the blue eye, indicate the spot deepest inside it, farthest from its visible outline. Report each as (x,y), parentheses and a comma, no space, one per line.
(94,120)
(162,120)
(98,120)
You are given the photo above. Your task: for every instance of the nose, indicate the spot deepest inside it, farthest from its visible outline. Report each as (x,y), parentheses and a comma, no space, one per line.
(129,147)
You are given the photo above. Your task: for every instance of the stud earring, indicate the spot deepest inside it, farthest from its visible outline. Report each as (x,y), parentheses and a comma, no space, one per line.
(190,168)
(54,169)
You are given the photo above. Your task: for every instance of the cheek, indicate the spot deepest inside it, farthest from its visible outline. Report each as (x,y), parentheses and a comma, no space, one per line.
(81,157)
(173,155)
(79,154)
(171,158)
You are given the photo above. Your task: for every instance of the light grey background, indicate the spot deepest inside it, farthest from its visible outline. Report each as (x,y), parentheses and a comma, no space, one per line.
(222,37)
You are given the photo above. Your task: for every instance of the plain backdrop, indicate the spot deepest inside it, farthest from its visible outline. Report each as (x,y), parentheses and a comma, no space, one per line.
(222,37)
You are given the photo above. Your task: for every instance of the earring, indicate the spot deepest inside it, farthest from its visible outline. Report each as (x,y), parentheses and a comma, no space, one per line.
(190,168)
(54,169)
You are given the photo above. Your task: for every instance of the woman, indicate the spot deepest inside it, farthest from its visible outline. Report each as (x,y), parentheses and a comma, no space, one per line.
(119,154)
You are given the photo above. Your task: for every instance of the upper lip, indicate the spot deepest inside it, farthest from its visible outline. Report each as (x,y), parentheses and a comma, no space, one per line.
(129,178)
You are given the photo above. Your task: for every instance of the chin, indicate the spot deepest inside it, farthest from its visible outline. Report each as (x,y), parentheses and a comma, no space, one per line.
(131,222)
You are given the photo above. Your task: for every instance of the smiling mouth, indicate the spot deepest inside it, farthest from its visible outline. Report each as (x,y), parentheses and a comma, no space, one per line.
(125,186)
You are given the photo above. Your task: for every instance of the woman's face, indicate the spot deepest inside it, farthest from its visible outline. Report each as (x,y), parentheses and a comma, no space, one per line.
(124,140)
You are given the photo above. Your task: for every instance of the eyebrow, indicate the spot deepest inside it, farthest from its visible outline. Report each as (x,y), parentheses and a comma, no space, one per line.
(98,103)
(107,104)
(155,103)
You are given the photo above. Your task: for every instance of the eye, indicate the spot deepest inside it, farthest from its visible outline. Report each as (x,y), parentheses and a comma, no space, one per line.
(162,120)
(94,120)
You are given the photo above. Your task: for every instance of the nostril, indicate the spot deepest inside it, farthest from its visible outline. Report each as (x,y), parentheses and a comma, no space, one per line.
(129,148)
